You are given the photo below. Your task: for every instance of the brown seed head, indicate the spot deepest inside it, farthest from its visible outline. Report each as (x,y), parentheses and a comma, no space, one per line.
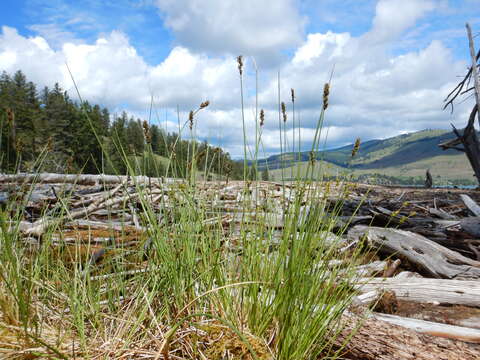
(18,145)
(284,112)
(356,147)
(190,119)
(69,163)
(204,104)
(146,132)
(293,95)
(311,156)
(50,144)
(262,117)
(10,116)
(326,92)
(240,64)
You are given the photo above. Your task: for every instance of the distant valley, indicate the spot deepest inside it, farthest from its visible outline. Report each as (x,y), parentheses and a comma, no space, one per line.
(402,159)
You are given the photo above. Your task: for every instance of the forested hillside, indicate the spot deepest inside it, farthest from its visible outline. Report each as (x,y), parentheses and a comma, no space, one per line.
(45,130)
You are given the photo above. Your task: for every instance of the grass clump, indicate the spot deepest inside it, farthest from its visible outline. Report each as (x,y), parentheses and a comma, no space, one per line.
(199,281)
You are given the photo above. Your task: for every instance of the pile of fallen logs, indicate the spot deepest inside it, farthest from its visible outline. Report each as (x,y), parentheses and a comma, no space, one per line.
(422,287)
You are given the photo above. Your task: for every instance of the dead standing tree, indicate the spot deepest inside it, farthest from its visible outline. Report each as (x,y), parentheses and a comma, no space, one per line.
(468,137)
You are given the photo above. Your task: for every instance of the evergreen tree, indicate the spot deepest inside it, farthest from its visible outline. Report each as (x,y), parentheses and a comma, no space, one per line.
(81,138)
(135,137)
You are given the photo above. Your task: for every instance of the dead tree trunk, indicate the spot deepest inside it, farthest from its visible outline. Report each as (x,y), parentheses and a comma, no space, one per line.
(469,138)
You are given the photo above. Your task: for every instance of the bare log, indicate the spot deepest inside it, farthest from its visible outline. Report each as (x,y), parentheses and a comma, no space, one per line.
(40,226)
(422,290)
(82,179)
(432,328)
(441,214)
(431,258)
(380,340)
(470,204)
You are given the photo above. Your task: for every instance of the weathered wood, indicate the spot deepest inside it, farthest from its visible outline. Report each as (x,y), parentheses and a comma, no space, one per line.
(429,257)
(82,179)
(422,290)
(391,267)
(470,204)
(40,226)
(441,214)
(379,340)
(471,225)
(476,80)
(432,328)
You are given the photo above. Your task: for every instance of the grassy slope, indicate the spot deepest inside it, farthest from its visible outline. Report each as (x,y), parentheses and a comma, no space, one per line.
(407,155)
(445,167)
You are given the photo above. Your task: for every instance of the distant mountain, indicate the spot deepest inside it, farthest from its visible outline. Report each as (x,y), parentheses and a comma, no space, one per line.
(407,156)
(375,154)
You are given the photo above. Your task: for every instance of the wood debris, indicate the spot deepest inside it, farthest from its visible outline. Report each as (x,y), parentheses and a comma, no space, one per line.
(426,241)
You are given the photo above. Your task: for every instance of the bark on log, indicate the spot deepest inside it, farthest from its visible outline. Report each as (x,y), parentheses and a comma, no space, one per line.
(422,290)
(429,257)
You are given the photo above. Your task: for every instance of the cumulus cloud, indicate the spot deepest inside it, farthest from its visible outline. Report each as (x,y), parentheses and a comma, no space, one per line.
(392,17)
(374,94)
(249,27)
(112,72)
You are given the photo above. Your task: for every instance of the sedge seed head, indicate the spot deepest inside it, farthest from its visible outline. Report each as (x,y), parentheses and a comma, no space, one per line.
(326,93)
(311,157)
(240,64)
(10,116)
(190,119)
(292,91)
(18,145)
(356,147)
(204,104)
(284,112)
(262,117)
(50,144)
(146,132)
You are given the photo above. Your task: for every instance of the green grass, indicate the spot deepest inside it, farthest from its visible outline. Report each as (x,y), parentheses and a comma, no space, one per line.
(200,290)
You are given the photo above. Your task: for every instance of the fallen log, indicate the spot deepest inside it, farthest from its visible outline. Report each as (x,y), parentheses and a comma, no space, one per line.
(432,328)
(441,214)
(380,340)
(471,225)
(429,257)
(470,204)
(82,179)
(422,290)
(39,227)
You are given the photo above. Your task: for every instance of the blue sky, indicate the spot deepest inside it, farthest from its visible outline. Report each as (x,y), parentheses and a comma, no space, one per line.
(395,59)
(142,21)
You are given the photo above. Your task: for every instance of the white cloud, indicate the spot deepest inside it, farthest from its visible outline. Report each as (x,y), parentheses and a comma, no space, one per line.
(56,35)
(31,55)
(248,27)
(392,17)
(329,45)
(111,71)
(373,94)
